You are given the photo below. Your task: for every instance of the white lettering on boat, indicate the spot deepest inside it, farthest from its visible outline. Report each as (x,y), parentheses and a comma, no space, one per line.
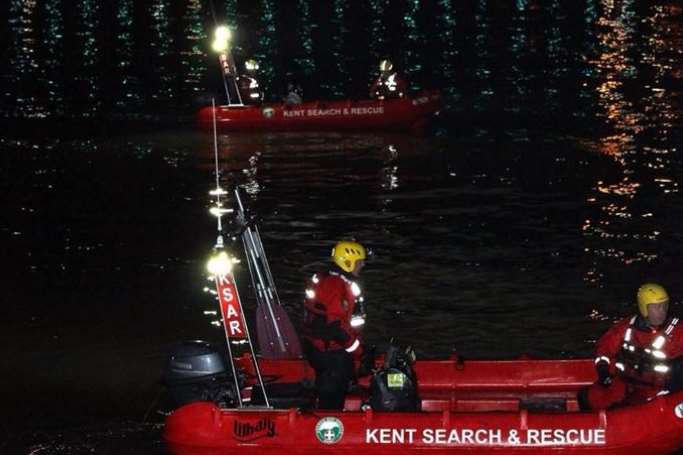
(486,436)
(369,110)
(390,435)
(548,436)
(463,436)
(294,113)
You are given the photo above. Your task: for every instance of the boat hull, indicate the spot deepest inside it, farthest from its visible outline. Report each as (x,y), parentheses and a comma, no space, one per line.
(471,407)
(408,113)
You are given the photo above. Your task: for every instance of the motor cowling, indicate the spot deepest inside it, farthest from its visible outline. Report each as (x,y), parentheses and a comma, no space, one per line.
(198,371)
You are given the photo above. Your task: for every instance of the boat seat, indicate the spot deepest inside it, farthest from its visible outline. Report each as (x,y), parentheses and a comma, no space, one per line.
(500,405)
(284,395)
(560,404)
(485,405)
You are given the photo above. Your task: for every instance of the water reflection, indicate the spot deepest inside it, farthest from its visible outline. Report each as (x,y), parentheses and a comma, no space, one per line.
(193,65)
(444,27)
(413,57)
(162,43)
(482,50)
(304,59)
(390,180)
(54,56)
(24,64)
(87,71)
(378,30)
(267,44)
(159,49)
(127,85)
(628,227)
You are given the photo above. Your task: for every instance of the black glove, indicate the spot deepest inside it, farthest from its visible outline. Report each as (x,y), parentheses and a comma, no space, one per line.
(604,378)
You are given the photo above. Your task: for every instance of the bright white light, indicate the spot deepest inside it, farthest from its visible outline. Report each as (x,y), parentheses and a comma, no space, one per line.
(219,264)
(218,192)
(218,211)
(221,40)
(357,321)
(355,289)
(661,368)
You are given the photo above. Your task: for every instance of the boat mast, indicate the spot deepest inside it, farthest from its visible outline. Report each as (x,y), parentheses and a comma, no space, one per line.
(220,266)
(221,44)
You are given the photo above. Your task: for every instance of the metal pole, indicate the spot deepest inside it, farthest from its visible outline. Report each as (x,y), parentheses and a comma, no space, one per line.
(266,265)
(265,294)
(252,254)
(251,349)
(232,360)
(219,243)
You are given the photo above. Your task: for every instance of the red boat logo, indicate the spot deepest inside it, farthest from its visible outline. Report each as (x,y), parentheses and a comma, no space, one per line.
(268,112)
(329,430)
(249,431)
(678,410)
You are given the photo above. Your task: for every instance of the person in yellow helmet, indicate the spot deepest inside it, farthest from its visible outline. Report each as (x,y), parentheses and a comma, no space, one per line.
(334,315)
(640,356)
(389,84)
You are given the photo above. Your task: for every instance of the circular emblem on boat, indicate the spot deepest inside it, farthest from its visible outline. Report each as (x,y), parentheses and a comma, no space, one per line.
(329,430)
(268,112)
(678,410)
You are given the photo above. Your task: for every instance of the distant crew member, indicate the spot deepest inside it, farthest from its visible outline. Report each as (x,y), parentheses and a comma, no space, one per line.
(389,84)
(334,314)
(639,357)
(294,94)
(250,92)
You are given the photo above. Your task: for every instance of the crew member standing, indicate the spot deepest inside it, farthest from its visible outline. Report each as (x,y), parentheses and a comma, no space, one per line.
(639,357)
(334,313)
(388,84)
(250,92)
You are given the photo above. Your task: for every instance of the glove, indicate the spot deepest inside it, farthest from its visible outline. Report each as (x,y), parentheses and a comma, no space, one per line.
(604,378)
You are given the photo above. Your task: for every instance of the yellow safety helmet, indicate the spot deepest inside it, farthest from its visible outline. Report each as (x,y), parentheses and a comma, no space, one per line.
(651,294)
(385,65)
(251,65)
(346,253)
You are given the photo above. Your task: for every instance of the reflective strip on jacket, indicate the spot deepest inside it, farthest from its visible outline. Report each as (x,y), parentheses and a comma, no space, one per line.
(641,356)
(331,300)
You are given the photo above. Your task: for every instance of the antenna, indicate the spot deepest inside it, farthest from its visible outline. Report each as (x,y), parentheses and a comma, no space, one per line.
(218,211)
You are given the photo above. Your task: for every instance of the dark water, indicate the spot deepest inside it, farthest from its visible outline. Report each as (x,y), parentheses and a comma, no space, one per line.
(547,191)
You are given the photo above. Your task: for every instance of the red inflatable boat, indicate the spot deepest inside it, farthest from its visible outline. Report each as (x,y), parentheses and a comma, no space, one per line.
(482,407)
(407,113)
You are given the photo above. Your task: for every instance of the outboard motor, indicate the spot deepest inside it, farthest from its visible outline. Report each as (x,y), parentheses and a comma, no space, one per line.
(197,371)
(394,386)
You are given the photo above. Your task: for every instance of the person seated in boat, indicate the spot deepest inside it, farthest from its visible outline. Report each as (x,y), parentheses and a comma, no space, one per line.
(334,314)
(639,357)
(248,85)
(389,84)
(294,94)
